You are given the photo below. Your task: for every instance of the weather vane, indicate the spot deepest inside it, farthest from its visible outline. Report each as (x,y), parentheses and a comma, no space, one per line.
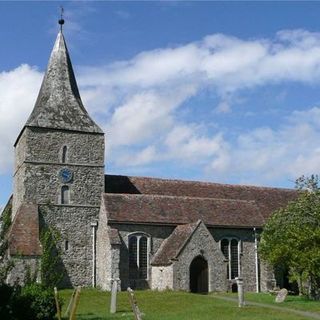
(61,20)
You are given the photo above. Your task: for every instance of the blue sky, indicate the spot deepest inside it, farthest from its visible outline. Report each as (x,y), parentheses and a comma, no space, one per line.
(216,91)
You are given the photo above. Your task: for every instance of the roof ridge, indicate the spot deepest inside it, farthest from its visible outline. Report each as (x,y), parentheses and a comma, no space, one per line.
(205,183)
(146,195)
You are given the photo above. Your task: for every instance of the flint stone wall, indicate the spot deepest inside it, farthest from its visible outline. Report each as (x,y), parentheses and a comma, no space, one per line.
(73,224)
(247,254)
(202,244)
(157,233)
(108,256)
(38,163)
(267,281)
(21,265)
(218,278)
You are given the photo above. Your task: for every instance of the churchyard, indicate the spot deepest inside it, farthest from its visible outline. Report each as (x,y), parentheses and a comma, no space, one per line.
(95,305)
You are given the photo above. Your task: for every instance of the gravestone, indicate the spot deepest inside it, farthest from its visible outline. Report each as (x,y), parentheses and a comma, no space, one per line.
(240,292)
(75,304)
(67,313)
(134,305)
(113,302)
(281,296)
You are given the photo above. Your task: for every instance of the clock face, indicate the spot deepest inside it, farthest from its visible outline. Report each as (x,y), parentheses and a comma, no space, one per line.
(66,175)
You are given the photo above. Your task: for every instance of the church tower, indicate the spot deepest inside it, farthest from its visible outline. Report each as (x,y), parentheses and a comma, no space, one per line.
(59,165)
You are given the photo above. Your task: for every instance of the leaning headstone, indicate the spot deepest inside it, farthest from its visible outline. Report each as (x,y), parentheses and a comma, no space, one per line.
(240,292)
(75,304)
(70,303)
(281,296)
(134,305)
(114,290)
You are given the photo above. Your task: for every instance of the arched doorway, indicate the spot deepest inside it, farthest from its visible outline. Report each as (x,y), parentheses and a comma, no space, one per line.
(199,275)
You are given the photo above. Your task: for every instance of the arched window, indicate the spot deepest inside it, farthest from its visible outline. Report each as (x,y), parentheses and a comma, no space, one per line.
(138,256)
(64,154)
(234,258)
(230,248)
(65,195)
(225,250)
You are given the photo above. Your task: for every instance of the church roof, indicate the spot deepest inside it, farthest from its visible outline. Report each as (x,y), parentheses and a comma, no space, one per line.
(266,199)
(23,237)
(159,209)
(59,104)
(172,246)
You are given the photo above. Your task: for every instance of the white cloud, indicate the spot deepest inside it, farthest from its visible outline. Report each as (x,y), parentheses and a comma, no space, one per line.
(225,62)
(140,104)
(145,115)
(267,155)
(18,91)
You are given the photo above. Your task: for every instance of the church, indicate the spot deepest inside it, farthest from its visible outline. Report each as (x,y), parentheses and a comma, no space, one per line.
(141,232)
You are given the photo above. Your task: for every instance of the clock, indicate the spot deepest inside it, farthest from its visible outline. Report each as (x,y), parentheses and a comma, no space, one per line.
(66,175)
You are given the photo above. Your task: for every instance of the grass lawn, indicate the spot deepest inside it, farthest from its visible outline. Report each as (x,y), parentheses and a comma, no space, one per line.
(94,305)
(294,302)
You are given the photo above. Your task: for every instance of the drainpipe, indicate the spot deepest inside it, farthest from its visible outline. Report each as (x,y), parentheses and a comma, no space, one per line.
(256,259)
(94,226)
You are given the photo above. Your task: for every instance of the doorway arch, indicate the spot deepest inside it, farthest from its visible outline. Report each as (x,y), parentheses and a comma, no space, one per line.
(199,275)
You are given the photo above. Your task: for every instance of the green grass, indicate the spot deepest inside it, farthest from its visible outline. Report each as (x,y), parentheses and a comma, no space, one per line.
(94,305)
(294,302)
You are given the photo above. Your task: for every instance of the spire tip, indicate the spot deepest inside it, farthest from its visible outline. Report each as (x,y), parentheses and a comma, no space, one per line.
(61,20)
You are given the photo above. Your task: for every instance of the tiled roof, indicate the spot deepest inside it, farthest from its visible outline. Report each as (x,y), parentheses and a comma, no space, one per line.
(267,199)
(24,234)
(171,247)
(158,209)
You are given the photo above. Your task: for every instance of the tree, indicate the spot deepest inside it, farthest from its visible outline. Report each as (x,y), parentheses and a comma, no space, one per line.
(291,236)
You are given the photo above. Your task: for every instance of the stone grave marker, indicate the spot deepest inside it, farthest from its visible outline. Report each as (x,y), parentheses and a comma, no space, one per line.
(240,292)
(114,290)
(134,305)
(67,313)
(281,296)
(75,304)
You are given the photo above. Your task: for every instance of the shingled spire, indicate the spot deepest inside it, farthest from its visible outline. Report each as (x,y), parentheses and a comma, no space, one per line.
(59,105)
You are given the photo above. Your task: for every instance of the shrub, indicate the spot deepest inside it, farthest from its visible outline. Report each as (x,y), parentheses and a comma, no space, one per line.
(33,302)
(6,294)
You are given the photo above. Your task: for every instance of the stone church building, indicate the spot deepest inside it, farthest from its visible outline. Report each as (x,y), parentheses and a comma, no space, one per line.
(142,232)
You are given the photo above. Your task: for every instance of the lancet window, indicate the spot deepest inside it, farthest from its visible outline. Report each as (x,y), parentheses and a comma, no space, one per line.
(230,248)
(65,195)
(139,245)
(64,154)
